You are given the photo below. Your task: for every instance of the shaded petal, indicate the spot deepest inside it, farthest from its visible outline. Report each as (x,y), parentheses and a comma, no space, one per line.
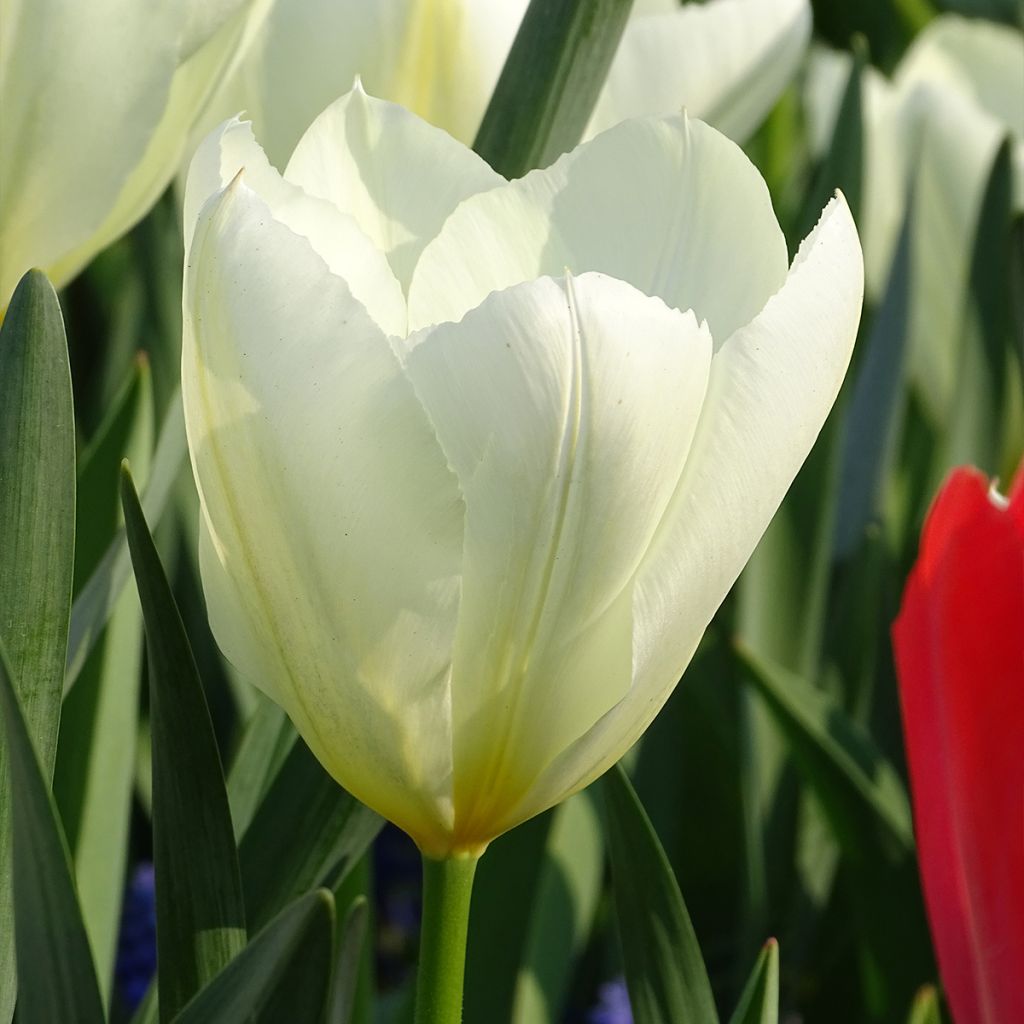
(397,176)
(334,236)
(725,61)
(670,206)
(771,387)
(333,525)
(566,409)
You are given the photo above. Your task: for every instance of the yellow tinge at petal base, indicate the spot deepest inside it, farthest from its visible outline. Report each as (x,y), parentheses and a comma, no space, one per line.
(471,562)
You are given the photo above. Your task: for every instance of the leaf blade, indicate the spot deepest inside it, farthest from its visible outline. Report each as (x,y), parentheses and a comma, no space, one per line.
(200,911)
(665,973)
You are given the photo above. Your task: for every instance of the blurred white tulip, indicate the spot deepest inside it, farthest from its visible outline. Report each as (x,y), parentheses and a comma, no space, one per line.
(726,61)
(931,135)
(97,100)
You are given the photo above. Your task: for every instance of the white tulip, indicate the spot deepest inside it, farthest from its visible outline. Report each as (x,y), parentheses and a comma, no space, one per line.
(478,460)
(957,93)
(726,61)
(97,100)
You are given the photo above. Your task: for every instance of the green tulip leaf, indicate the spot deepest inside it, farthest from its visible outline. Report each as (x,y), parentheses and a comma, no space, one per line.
(99,722)
(308,831)
(550,82)
(56,979)
(96,600)
(344,984)
(665,972)
(267,738)
(842,167)
(37,540)
(759,1003)
(283,974)
(200,913)
(861,794)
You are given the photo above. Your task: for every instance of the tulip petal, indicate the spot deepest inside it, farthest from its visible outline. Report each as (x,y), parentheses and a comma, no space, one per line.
(332,524)
(960,662)
(670,206)
(335,237)
(566,409)
(771,387)
(54,102)
(397,176)
(726,61)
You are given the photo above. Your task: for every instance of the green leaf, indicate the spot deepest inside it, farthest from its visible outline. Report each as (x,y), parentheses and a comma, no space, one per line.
(56,980)
(504,895)
(99,722)
(859,790)
(265,743)
(926,1007)
(759,1003)
(200,913)
(283,974)
(873,420)
(550,82)
(37,524)
(345,982)
(96,600)
(988,379)
(308,831)
(564,903)
(665,973)
(842,167)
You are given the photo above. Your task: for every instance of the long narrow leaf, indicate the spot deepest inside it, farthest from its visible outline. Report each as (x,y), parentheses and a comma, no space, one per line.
(99,723)
(550,82)
(56,980)
(37,540)
(759,1003)
(96,600)
(345,982)
(283,974)
(859,790)
(200,913)
(307,832)
(665,973)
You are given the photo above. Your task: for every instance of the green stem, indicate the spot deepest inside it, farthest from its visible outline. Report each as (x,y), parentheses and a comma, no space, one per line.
(447,887)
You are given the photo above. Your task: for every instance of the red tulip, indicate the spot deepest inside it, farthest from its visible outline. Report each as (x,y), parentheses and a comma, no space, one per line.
(959,643)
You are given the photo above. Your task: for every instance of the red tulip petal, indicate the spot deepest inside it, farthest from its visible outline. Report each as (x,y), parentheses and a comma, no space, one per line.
(959,644)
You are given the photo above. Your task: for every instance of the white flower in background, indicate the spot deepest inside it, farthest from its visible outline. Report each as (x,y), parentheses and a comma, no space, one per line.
(97,100)
(726,61)
(957,93)
(478,460)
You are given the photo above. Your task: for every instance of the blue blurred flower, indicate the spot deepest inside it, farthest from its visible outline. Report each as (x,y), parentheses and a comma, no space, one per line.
(612,1005)
(136,943)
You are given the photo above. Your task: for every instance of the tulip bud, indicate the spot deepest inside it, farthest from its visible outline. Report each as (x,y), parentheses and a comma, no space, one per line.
(466,513)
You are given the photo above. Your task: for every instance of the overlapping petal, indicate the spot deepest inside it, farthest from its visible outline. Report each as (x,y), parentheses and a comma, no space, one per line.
(669,205)
(566,409)
(394,174)
(334,235)
(332,525)
(770,389)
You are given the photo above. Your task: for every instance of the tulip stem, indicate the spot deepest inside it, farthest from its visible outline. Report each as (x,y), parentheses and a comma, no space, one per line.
(447,887)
